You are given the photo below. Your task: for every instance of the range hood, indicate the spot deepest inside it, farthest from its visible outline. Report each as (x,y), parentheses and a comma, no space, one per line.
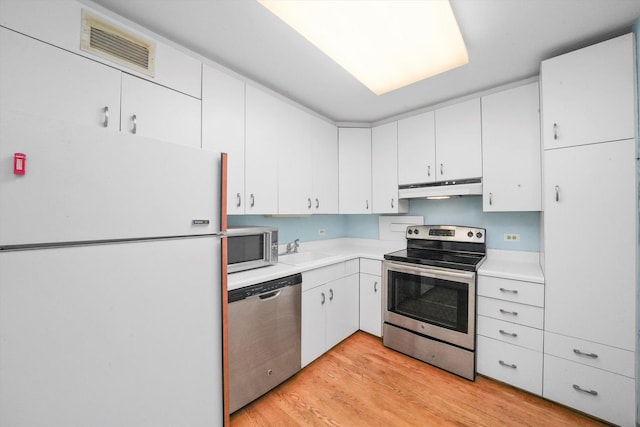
(442,189)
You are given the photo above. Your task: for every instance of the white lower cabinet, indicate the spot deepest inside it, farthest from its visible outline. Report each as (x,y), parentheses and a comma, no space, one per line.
(595,391)
(509,328)
(371,296)
(330,306)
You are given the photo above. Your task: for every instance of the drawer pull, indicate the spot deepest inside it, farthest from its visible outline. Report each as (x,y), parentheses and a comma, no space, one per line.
(579,353)
(591,392)
(511,334)
(510,291)
(513,313)
(507,365)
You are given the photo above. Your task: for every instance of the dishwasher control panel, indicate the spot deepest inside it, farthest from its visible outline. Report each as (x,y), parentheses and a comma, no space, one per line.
(264,287)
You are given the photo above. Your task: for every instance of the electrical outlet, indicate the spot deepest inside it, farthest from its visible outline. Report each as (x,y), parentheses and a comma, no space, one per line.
(322,232)
(511,237)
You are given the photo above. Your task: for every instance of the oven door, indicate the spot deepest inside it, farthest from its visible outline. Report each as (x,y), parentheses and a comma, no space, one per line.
(438,303)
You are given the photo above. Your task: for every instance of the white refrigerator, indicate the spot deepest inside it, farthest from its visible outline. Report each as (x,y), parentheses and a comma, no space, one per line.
(110,278)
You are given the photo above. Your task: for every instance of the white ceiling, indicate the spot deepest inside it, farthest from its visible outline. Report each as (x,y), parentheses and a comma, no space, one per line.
(506,40)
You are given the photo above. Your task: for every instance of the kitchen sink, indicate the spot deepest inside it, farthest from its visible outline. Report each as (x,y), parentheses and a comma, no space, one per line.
(302,257)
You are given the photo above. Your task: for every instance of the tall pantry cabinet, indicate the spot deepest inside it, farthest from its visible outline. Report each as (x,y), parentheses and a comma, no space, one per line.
(591,229)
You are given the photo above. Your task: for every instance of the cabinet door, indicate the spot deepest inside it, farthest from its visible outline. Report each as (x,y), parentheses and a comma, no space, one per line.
(417,149)
(342,314)
(294,163)
(590,229)
(156,112)
(384,170)
(44,81)
(589,95)
(314,329)
(511,150)
(371,304)
(459,141)
(264,118)
(324,146)
(355,170)
(223,129)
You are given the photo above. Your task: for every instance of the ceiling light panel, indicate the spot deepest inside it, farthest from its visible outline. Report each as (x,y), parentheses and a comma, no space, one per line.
(384,44)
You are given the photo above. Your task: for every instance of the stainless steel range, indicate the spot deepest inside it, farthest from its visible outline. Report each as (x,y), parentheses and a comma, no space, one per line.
(429,298)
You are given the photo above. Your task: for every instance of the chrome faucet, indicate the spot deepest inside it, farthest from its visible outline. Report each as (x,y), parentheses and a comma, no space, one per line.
(292,247)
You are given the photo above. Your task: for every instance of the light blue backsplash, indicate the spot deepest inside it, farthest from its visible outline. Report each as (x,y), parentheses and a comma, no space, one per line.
(456,211)
(290,228)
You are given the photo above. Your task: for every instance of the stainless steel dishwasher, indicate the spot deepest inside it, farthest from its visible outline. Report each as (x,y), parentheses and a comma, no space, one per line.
(264,337)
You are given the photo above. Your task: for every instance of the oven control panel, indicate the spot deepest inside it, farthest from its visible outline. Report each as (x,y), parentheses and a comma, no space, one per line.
(453,233)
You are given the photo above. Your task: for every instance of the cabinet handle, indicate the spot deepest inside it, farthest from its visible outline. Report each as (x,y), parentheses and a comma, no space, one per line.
(317,203)
(490,199)
(429,170)
(555,131)
(375,286)
(441,168)
(367,203)
(309,199)
(134,124)
(579,353)
(391,203)
(511,334)
(238,200)
(253,200)
(330,294)
(105,123)
(511,291)
(591,392)
(557,193)
(512,366)
(322,301)
(513,313)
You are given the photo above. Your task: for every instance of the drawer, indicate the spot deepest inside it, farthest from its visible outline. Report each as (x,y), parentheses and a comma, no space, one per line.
(371,266)
(602,394)
(522,314)
(520,367)
(511,290)
(320,276)
(512,333)
(589,353)
(352,267)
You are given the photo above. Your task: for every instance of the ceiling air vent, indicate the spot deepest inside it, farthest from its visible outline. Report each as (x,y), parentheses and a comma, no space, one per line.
(116,44)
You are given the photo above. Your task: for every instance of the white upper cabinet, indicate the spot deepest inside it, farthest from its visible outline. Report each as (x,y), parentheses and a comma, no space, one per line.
(589,94)
(294,162)
(458,141)
(223,129)
(157,112)
(264,117)
(511,150)
(324,147)
(355,170)
(384,168)
(417,149)
(59,23)
(48,82)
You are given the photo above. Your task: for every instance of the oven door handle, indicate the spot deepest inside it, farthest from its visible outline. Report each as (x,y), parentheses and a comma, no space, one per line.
(430,272)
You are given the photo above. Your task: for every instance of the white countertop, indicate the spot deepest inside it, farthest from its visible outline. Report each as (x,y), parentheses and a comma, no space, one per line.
(337,250)
(514,265)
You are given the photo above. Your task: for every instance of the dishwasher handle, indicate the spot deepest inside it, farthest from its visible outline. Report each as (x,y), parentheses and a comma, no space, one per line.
(270,295)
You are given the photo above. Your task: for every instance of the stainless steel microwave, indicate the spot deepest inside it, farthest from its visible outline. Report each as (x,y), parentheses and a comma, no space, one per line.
(251,247)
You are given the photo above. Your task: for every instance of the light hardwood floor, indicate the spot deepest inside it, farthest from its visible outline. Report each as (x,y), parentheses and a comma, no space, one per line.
(362,383)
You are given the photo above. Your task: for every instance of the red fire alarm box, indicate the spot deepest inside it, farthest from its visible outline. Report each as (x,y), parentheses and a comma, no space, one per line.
(19,163)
